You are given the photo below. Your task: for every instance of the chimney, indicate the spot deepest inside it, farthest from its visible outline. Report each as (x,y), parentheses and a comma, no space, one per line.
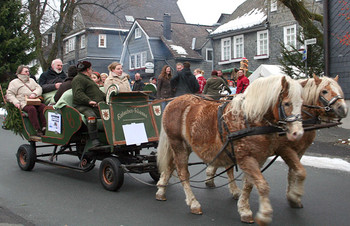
(167,26)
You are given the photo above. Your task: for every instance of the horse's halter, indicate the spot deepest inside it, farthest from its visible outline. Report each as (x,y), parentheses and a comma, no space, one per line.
(328,104)
(283,118)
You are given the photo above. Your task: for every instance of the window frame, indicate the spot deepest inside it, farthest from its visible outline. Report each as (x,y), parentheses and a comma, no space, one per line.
(71,44)
(206,54)
(286,37)
(235,43)
(82,41)
(259,40)
(273,6)
(102,37)
(138,33)
(224,49)
(137,60)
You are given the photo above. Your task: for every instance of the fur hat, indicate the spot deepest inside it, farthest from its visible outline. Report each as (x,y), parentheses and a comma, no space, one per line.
(214,73)
(83,65)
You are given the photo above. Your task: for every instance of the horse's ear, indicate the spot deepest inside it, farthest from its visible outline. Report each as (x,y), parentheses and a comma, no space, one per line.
(336,78)
(303,83)
(317,79)
(284,83)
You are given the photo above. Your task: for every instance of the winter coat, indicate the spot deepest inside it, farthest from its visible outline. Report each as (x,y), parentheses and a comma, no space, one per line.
(49,78)
(66,85)
(86,90)
(242,84)
(138,86)
(184,82)
(17,90)
(214,86)
(201,81)
(164,88)
(122,81)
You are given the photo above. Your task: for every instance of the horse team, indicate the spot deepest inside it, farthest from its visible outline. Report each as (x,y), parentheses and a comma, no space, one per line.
(193,124)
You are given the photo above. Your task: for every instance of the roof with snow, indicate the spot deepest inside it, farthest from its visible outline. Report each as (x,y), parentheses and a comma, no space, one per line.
(254,17)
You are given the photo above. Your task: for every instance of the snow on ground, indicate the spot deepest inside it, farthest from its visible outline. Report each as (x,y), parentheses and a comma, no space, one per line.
(323,162)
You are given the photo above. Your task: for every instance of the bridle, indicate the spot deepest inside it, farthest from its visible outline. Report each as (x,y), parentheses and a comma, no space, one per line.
(283,118)
(327,104)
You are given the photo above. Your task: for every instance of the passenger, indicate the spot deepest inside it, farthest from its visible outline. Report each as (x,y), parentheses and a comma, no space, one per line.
(242,81)
(184,81)
(164,90)
(118,77)
(53,77)
(96,77)
(67,83)
(138,84)
(103,77)
(214,85)
(86,96)
(20,88)
(200,78)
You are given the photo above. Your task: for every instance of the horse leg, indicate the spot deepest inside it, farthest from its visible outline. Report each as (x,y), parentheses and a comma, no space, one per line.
(163,182)
(296,177)
(181,163)
(210,172)
(251,167)
(232,186)
(243,201)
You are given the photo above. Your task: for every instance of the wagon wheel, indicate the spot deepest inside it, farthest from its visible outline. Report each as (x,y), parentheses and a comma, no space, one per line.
(26,156)
(154,174)
(111,174)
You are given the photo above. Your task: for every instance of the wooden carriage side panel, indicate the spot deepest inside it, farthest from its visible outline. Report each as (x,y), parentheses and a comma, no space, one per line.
(71,122)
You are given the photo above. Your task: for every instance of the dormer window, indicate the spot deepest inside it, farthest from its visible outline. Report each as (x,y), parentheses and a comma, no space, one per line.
(102,42)
(129,18)
(137,33)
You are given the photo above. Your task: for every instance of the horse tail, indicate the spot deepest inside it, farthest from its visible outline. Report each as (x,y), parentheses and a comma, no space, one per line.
(164,154)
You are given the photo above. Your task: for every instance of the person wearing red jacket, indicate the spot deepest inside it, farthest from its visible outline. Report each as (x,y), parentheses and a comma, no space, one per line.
(242,82)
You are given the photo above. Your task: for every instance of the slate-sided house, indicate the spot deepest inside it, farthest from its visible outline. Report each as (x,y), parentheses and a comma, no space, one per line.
(337,39)
(98,36)
(166,42)
(254,31)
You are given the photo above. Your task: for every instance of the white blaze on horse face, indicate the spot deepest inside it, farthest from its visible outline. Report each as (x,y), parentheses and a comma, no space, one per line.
(340,107)
(295,129)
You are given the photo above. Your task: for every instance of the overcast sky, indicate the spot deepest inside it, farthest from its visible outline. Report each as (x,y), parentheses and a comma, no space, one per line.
(206,11)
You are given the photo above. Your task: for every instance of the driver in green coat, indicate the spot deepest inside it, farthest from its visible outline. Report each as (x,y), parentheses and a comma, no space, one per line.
(86,96)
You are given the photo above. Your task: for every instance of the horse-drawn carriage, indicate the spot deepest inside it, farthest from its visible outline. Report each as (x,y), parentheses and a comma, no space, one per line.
(128,126)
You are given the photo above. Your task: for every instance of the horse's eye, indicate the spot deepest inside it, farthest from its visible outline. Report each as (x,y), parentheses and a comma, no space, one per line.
(287,104)
(324,92)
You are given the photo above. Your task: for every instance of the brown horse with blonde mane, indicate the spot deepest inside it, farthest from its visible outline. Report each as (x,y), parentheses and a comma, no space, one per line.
(323,102)
(190,123)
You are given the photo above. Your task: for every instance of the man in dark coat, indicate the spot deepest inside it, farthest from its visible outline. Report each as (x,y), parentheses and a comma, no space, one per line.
(184,81)
(138,85)
(51,79)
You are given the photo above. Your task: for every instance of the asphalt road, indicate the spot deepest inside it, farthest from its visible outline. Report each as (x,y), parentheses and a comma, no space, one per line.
(54,196)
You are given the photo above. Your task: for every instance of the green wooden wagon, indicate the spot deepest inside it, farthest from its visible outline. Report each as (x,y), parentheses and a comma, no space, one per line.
(129,129)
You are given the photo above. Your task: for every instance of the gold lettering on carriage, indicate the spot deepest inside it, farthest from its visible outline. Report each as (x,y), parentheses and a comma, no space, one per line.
(131,111)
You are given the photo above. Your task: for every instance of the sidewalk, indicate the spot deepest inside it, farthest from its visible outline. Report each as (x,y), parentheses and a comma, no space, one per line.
(346,121)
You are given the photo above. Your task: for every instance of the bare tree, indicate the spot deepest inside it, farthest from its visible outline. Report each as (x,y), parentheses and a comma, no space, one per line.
(43,13)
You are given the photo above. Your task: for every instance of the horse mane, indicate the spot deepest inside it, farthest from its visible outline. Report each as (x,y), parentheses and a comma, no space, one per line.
(311,91)
(261,95)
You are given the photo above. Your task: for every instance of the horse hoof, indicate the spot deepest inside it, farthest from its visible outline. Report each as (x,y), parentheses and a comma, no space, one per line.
(160,197)
(260,222)
(297,205)
(247,219)
(197,211)
(210,184)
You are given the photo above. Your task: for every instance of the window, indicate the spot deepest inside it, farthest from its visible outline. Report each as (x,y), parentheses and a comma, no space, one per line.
(273,5)
(238,46)
(209,55)
(102,42)
(67,47)
(71,44)
(262,43)
(82,42)
(137,33)
(53,37)
(137,60)
(129,18)
(225,49)
(45,41)
(290,38)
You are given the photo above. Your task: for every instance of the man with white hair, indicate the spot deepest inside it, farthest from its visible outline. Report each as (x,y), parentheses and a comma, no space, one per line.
(51,79)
